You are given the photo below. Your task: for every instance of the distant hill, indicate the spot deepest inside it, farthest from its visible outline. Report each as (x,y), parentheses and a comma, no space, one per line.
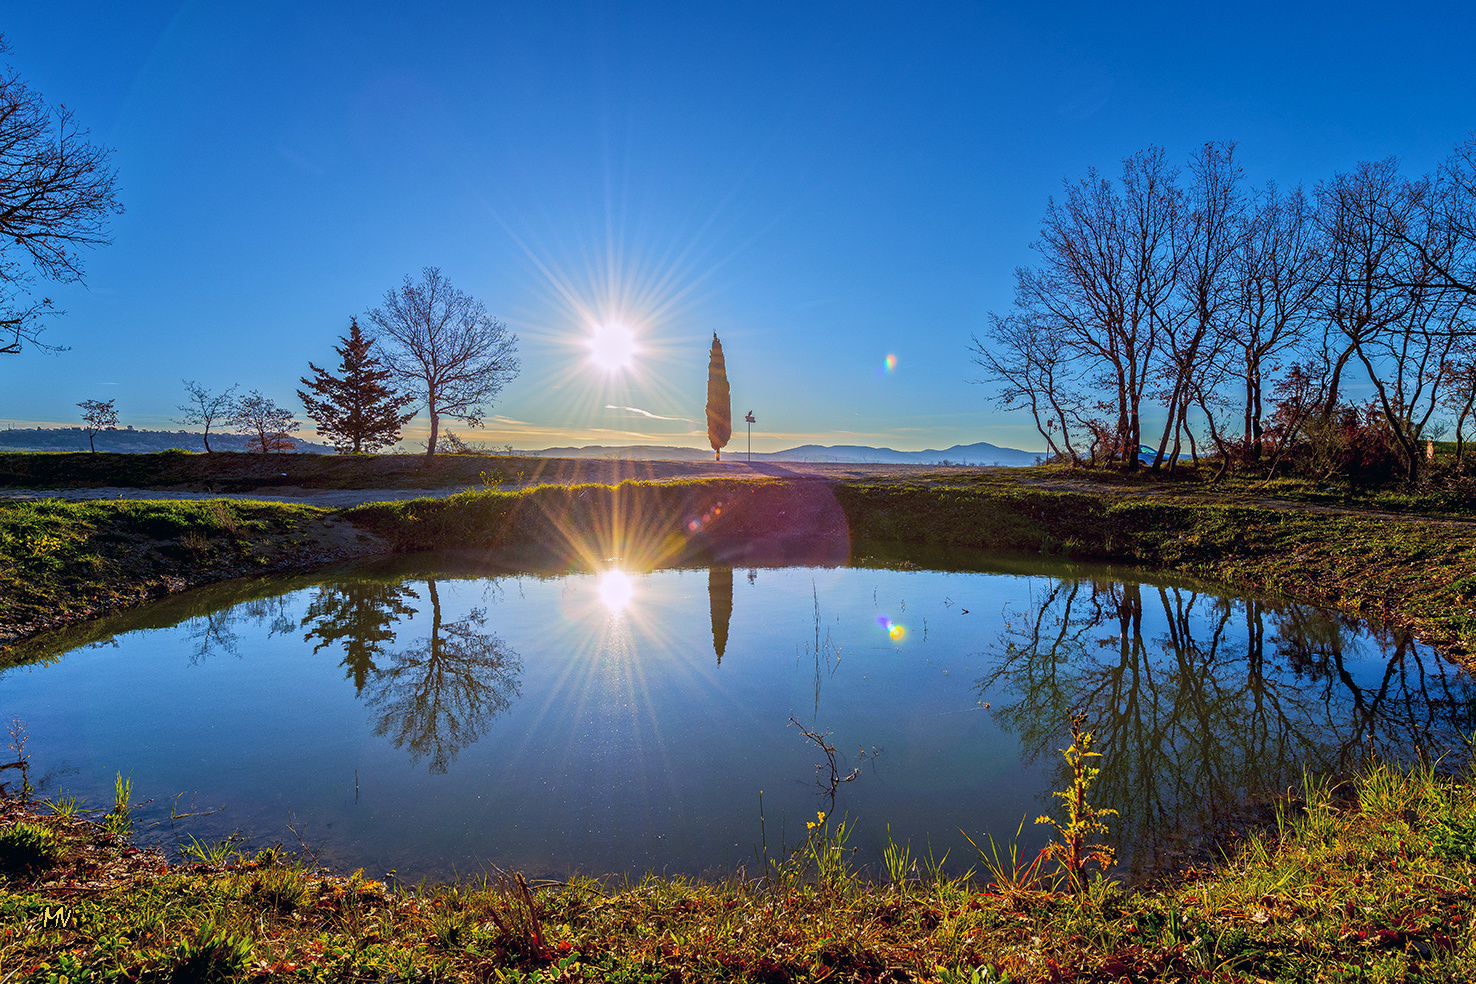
(981,453)
(142,441)
(129,440)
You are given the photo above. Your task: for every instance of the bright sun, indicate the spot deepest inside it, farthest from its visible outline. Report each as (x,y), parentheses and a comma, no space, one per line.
(612,346)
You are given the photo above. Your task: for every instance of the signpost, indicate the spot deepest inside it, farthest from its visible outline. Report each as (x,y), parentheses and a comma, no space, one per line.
(749,417)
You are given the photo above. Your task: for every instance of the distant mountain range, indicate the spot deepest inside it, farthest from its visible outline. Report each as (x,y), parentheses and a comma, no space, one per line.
(981,453)
(127,439)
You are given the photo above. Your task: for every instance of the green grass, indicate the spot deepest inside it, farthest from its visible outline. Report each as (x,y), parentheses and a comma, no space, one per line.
(64,561)
(1370,880)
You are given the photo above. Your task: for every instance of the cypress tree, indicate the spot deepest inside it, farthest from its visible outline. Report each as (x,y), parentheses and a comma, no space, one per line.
(719,400)
(356,411)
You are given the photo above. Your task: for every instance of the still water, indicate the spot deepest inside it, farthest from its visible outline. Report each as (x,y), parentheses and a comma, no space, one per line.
(431,720)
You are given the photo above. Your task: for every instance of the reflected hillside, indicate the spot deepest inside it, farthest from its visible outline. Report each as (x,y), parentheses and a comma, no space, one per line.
(1200,701)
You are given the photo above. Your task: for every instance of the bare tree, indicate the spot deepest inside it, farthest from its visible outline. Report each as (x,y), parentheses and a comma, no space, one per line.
(1396,312)
(98,416)
(56,194)
(445,691)
(1208,230)
(446,348)
(1032,368)
(1192,292)
(204,408)
(1277,274)
(1446,241)
(268,424)
(1459,396)
(1103,287)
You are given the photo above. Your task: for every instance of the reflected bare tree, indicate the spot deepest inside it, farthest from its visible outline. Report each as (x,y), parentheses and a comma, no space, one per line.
(1219,699)
(361,615)
(442,693)
(214,632)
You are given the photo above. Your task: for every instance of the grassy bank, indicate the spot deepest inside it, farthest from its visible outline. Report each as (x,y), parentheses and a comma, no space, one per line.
(1370,881)
(1402,569)
(64,562)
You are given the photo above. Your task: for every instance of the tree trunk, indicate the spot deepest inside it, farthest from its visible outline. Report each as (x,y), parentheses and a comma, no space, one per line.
(1460,427)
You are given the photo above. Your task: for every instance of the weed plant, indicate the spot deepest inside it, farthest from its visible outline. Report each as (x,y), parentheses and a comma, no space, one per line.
(1074,850)
(119,820)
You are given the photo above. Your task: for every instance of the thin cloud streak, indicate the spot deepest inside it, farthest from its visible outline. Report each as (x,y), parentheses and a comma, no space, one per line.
(646,413)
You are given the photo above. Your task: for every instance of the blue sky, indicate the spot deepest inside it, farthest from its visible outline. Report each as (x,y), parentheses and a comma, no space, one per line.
(822,184)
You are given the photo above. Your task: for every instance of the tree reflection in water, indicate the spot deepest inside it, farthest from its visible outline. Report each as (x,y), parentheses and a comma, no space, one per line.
(1219,700)
(442,693)
(214,632)
(720,603)
(361,614)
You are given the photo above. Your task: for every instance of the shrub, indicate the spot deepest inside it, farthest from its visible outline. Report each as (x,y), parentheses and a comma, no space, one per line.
(28,845)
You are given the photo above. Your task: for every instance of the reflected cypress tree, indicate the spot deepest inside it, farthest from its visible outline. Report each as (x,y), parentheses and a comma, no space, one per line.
(442,693)
(720,598)
(361,615)
(1195,719)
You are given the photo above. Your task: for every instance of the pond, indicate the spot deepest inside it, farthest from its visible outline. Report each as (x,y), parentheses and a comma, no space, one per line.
(433,719)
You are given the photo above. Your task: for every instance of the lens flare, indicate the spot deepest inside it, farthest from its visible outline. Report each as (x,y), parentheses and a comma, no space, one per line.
(695,524)
(888,365)
(616,590)
(892,629)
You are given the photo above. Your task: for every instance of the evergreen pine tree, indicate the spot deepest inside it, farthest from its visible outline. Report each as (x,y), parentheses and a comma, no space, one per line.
(356,412)
(719,401)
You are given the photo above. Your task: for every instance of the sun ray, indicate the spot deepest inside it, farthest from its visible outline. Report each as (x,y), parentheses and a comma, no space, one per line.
(615,319)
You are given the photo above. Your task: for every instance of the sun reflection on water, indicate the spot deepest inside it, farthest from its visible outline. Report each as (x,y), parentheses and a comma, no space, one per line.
(616,590)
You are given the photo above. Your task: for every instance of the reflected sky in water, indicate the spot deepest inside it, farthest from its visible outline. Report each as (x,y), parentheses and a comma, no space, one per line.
(623,721)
